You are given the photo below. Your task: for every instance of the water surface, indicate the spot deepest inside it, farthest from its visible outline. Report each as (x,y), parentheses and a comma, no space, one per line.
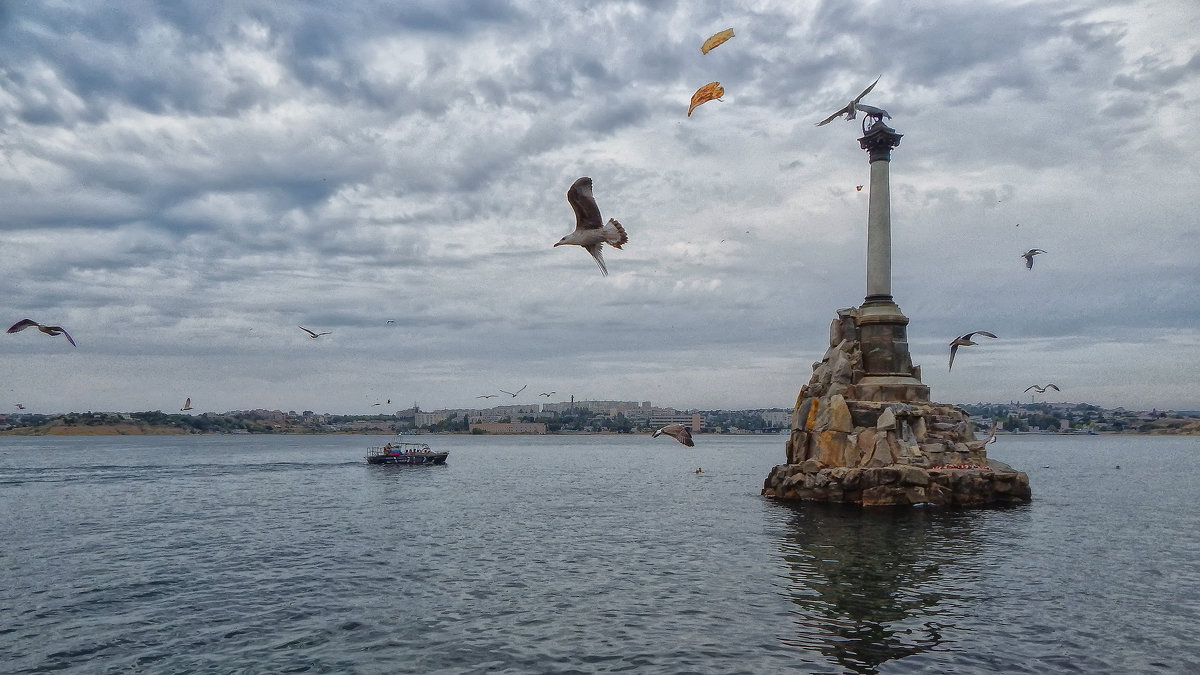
(581,554)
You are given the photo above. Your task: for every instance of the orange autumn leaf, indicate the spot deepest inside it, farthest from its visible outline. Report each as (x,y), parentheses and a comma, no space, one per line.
(705,94)
(716,41)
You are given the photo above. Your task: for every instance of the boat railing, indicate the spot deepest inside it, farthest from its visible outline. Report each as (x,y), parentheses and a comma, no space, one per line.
(399,449)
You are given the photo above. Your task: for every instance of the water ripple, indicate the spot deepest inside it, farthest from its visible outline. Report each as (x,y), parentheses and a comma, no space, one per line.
(580,555)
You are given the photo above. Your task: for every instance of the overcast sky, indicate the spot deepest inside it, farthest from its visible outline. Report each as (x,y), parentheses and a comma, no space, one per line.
(183,184)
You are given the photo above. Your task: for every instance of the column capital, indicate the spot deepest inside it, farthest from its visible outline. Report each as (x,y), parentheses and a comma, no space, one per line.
(879,140)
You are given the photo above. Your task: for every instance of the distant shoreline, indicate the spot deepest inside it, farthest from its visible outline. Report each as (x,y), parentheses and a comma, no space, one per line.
(157,430)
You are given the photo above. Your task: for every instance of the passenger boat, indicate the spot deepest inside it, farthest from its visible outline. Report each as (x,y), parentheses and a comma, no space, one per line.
(398,452)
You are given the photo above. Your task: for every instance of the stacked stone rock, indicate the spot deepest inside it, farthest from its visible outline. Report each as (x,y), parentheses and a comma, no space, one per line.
(848,445)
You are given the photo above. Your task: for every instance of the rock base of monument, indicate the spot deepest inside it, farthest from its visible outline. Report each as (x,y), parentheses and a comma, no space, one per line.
(880,441)
(898,485)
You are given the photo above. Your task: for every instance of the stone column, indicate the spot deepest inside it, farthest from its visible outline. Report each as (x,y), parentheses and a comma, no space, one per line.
(882,327)
(878,142)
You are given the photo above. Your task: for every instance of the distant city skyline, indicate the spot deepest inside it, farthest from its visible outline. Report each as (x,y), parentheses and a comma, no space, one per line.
(554,407)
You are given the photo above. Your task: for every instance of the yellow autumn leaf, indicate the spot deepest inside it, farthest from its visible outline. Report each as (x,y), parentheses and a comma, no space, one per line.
(705,94)
(716,41)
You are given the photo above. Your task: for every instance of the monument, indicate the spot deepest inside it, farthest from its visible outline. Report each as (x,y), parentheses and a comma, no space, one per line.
(864,429)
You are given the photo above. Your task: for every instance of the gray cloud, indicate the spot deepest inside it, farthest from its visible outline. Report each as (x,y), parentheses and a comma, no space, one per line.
(185,183)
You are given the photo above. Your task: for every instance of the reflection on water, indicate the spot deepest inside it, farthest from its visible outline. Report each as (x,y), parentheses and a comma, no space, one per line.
(875,585)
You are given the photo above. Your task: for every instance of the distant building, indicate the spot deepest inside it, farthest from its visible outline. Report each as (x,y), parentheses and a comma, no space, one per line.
(611,408)
(694,421)
(500,412)
(777,418)
(509,427)
(428,419)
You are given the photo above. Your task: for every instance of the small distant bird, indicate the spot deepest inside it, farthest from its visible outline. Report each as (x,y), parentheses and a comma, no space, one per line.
(487,396)
(590,231)
(312,334)
(701,469)
(1042,389)
(965,341)
(547,393)
(858,188)
(676,431)
(389,321)
(1028,256)
(48,330)
(375,404)
(20,406)
(514,394)
(849,110)
(187,404)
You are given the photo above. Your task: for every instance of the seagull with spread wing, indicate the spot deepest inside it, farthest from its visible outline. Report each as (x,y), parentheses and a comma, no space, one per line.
(514,393)
(187,404)
(853,105)
(965,341)
(992,434)
(1028,256)
(676,431)
(1042,389)
(48,330)
(312,334)
(591,232)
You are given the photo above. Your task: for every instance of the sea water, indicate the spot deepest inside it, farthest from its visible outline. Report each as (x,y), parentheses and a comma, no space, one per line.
(579,554)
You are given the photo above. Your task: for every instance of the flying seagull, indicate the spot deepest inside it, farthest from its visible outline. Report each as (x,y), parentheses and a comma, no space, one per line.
(1042,389)
(872,111)
(965,341)
(487,396)
(389,321)
(514,394)
(187,403)
(992,434)
(848,111)
(676,431)
(547,393)
(590,230)
(312,334)
(1028,256)
(48,330)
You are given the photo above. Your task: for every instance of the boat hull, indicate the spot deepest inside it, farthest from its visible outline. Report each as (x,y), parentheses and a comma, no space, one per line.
(409,459)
